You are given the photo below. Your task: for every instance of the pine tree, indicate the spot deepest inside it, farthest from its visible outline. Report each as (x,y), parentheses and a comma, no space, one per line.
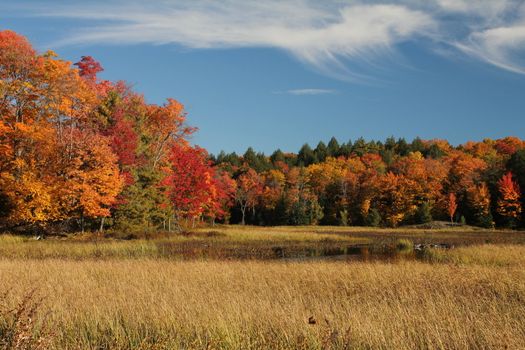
(306,156)
(333,149)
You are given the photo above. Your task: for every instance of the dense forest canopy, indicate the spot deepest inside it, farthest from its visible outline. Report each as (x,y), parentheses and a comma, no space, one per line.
(77,151)
(382,183)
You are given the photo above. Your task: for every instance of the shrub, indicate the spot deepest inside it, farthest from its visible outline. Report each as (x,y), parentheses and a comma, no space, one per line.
(423,213)
(404,245)
(373,218)
(343,218)
(485,220)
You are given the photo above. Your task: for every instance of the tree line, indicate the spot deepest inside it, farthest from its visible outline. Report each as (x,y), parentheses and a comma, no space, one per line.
(380,183)
(78,152)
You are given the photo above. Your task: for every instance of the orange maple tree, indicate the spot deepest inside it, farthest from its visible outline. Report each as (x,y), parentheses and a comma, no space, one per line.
(509,205)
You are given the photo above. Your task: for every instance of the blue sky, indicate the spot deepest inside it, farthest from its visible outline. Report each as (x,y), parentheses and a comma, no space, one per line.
(276,74)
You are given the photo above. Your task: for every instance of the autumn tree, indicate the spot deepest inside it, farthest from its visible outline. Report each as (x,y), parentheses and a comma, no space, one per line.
(43,101)
(479,199)
(249,187)
(273,203)
(396,198)
(190,184)
(142,137)
(465,172)
(509,145)
(304,207)
(328,181)
(222,196)
(427,176)
(72,145)
(452,206)
(90,180)
(509,206)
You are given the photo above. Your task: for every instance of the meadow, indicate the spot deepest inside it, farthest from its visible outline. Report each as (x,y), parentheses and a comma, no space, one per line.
(81,292)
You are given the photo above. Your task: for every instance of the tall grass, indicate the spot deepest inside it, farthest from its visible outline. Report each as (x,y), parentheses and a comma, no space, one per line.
(20,328)
(230,243)
(26,248)
(144,303)
(486,255)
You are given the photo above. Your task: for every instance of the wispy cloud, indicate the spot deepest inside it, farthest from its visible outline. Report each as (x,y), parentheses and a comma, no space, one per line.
(501,46)
(494,31)
(339,38)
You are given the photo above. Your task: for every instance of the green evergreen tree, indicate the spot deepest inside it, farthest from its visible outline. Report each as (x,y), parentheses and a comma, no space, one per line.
(346,149)
(424,213)
(219,159)
(333,149)
(277,156)
(434,152)
(305,212)
(360,147)
(144,207)
(402,147)
(263,163)
(387,156)
(232,159)
(417,145)
(321,151)
(375,146)
(250,158)
(306,156)
(390,144)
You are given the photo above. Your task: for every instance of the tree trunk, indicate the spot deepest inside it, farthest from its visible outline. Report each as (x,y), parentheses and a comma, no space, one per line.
(243,211)
(101,229)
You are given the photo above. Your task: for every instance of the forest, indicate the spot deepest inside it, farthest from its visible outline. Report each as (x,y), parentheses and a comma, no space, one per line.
(81,153)
(118,232)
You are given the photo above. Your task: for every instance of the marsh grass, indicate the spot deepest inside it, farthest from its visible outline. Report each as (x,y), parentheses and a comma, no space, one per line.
(182,291)
(201,244)
(163,304)
(236,242)
(21,326)
(484,255)
(404,245)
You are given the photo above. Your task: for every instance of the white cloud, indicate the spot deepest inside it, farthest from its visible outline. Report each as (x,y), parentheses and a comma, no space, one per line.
(323,35)
(483,8)
(344,39)
(499,46)
(501,40)
(302,92)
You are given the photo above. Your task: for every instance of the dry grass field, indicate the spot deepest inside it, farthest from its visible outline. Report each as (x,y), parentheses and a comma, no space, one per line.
(470,297)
